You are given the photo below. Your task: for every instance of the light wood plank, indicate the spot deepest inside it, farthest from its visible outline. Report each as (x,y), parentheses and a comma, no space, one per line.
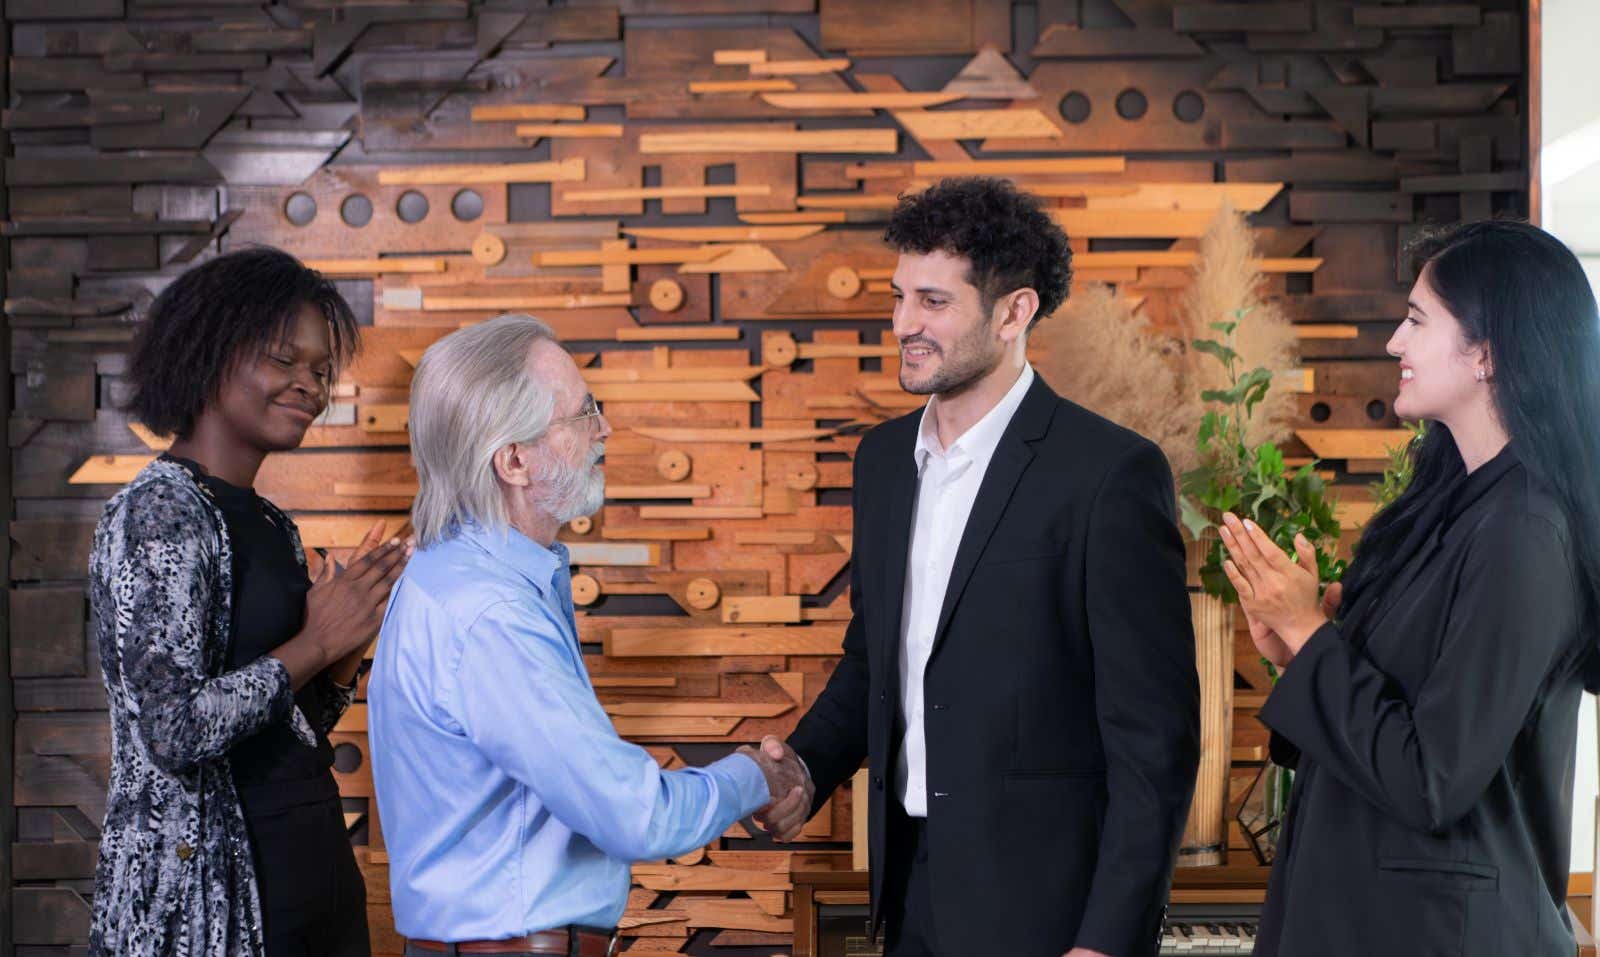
(1021,167)
(1182,258)
(683,533)
(740,86)
(666,877)
(109,469)
(677,435)
(629,682)
(705,333)
(846,201)
(622,554)
(738,57)
(799,67)
(605,374)
(839,350)
(666,192)
(502,303)
(858,101)
(612,131)
(700,513)
(1244,197)
(739,258)
(375,267)
(701,642)
(737,140)
(813,216)
(1028,123)
(664,490)
(1353,443)
(604,256)
(384,417)
(675,392)
(1327,330)
(674,727)
(726,234)
(559,171)
(699,709)
(774,538)
(499,112)
(344,531)
(761,609)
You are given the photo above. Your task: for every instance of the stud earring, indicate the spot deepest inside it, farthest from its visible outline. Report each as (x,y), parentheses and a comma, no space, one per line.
(1482,375)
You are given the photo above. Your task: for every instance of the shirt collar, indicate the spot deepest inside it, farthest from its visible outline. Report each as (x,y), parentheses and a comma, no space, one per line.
(538,564)
(978,442)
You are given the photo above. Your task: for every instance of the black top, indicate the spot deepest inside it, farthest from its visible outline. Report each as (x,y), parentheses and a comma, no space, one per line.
(273,769)
(1434,730)
(1063,711)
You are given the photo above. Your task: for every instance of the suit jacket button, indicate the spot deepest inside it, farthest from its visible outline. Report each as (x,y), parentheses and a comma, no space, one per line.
(184,851)
(938,707)
(878,783)
(941,794)
(883,696)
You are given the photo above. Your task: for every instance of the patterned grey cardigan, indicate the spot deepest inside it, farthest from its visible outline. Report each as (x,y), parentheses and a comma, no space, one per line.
(175,875)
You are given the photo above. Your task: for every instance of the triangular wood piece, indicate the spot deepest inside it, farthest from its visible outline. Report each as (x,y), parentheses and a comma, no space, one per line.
(493,28)
(990,76)
(1349,107)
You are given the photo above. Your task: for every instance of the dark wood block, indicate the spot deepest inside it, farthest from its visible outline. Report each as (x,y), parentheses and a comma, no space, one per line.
(1466,182)
(1402,70)
(188,119)
(47,201)
(1409,136)
(41,74)
(57,387)
(47,634)
(1493,48)
(1068,43)
(53,860)
(125,252)
(1316,167)
(68,171)
(1429,15)
(1344,306)
(1292,17)
(1433,100)
(49,915)
(1349,207)
(60,694)
(1282,136)
(50,549)
(64,9)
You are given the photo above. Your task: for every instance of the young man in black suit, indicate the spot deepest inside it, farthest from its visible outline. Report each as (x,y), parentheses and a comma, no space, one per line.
(1019,670)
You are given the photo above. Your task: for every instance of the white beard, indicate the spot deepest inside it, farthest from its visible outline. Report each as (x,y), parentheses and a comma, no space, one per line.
(567,493)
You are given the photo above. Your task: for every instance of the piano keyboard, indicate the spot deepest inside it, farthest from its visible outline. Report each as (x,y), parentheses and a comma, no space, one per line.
(1210,929)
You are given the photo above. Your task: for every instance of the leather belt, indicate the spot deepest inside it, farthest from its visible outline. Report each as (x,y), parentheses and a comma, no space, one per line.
(564,942)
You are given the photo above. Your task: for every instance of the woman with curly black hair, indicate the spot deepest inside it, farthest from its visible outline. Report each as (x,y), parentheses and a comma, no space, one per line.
(225,666)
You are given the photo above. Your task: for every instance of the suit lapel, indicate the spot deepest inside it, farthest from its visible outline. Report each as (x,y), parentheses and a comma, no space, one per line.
(1011,459)
(902,481)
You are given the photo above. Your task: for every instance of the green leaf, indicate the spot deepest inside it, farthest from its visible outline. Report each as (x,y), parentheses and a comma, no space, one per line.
(1226,328)
(1211,347)
(1194,520)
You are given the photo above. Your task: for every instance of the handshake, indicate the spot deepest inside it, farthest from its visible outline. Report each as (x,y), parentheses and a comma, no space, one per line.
(789,784)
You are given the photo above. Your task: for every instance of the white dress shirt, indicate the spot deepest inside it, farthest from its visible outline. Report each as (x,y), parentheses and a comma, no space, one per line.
(947,483)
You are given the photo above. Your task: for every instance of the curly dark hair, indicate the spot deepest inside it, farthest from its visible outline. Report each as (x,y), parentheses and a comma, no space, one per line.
(1003,232)
(217,313)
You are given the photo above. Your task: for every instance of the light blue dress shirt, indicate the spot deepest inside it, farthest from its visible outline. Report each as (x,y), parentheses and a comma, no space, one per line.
(508,802)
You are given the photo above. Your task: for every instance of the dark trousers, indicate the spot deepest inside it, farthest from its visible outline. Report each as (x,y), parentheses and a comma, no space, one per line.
(907,900)
(313,898)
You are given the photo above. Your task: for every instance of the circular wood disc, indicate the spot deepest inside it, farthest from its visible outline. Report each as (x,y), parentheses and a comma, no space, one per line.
(581,525)
(843,283)
(802,478)
(779,351)
(488,249)
(584,589)
(666,295)
(673,465)
(704,594)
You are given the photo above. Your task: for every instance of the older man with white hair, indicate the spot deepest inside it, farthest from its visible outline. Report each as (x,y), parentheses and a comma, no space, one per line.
(510,807)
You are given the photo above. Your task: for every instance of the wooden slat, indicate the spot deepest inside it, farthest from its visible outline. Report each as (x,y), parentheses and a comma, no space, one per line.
(740,86)
(846,201)
(665,192)
(1020,167)
(858,101)
(376,267)
(697,642)
(1027,123)
(570,130)
(699,513)
(1327,331)
(1182,258)
(664,490)
(675,392)
(559,171)
(630,257)
(730,435)
(666,877)
(738,57)
(739,257)
(772,141)
(799,67)
(629,554)
(804,216)
(761,609)
(606,374)
(503,303)
(674,727)
(725,234)
(1353,443)
(706,333)
(1134,223)
(633,682)
(774,538)
(706,709)
(683,533)
(109,469)
(505,112)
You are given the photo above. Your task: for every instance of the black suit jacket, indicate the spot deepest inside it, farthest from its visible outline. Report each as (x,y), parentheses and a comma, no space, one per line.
(1436,730)
(1062,714)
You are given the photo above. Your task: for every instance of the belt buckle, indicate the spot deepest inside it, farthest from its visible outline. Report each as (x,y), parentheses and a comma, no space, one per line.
(611,945)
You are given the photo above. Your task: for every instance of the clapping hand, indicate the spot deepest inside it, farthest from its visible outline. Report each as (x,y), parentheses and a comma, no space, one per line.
(1278,594)
(789,784)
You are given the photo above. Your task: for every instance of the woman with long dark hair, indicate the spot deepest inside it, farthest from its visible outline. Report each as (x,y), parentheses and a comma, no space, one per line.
(1433,721)
(225,666)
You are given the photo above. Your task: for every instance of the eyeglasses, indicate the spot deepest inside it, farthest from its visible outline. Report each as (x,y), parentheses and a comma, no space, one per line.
(589,410)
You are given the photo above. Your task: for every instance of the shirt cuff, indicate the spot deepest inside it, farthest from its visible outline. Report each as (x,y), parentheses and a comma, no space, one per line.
(739,777)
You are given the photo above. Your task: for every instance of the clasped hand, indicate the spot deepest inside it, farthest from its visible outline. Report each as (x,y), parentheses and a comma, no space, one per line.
(789,785)
(1278,594)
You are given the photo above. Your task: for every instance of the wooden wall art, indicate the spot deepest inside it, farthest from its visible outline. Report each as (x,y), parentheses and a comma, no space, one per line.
(691,192)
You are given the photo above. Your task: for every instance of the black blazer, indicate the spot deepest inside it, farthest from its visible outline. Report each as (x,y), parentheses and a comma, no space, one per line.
(1062,715)
(1436,731)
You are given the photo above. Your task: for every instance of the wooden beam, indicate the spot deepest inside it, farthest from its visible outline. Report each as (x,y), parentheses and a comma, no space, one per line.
(607,374)
(666,192)
(1353,443)
(725,234)
(738,57)
(1020,167)
(813,216)
(706,333)
(740,86)
(505,303)
(682,533)
(1025,123)
(507,112)
(375,267)
(799,67)
(858,101)
(672,255)
(741,436)
(570,130)
(1134,223)
(700,513)
(694,642)
(761,609)
(560,171)
(627,554)
(737,140)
